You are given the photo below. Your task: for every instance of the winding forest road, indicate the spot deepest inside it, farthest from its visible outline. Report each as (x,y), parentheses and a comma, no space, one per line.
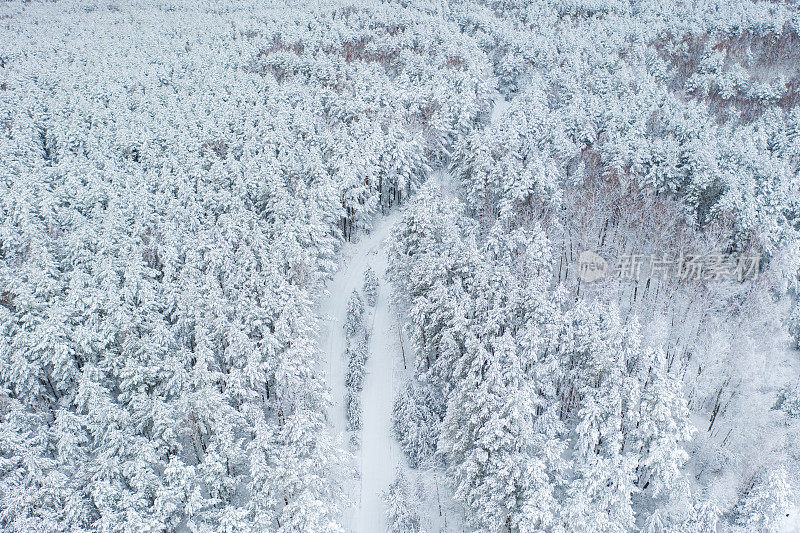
(378,455)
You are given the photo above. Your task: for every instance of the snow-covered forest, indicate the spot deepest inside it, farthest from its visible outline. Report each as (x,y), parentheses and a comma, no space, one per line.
(501,266)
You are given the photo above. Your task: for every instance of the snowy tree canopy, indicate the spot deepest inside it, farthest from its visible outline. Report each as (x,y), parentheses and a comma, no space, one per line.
(183,183)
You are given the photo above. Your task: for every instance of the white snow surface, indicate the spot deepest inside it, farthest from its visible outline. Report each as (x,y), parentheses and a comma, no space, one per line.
(378,454)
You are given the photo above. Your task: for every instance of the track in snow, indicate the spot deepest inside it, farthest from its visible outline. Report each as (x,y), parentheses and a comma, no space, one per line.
(378,454)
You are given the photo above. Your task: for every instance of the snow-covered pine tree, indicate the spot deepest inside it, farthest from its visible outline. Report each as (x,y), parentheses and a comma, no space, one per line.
(662,428)
(403,506)
(597,394)
(353,412)
(496,460)
(703,516)
(354,320)
(356,355)
(416,417)
(766,502)
(370,287)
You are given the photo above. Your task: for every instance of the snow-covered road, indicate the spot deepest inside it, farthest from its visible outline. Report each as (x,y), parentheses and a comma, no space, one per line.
(379,451)
(378,454)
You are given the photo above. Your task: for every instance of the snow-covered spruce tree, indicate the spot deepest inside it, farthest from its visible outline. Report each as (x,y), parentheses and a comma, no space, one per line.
(703,516)
(789,399)
(370,287)
(431,256)
(35,494)
(630,419)
(353,411)
(766,502)
(403,506)
(498,462)
(356,355)
(354,320)
(662,427)
(416,417)
(599,396)
(655,523)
